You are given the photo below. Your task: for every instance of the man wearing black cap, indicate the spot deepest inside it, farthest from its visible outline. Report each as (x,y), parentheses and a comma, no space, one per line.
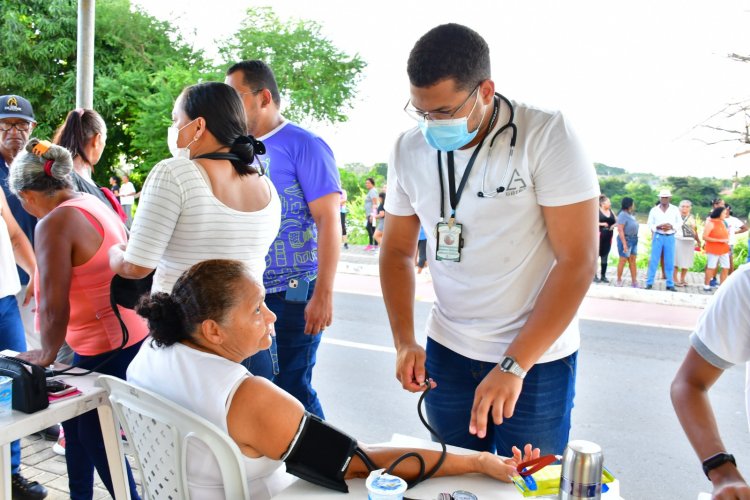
(16,123)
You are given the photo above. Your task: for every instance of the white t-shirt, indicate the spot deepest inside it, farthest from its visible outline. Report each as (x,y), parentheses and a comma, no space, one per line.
(483,301)
(127,191)
(722,336)
(204,384)
(9,282)
(657,217)
(180,223)
(733,224)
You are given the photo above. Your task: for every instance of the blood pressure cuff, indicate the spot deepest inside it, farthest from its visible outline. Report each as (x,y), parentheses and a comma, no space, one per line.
(320,454)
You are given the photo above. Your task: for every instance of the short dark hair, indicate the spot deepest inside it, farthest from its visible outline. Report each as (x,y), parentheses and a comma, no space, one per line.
(370,180)
(716,212)
(208,290)
(449,51)
(221,107)
(626,203)
(258,75)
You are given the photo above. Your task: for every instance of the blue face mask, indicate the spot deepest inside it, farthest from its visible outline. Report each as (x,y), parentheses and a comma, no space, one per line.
(449,135)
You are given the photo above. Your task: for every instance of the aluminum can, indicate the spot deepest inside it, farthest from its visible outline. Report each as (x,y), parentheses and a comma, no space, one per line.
(581,476)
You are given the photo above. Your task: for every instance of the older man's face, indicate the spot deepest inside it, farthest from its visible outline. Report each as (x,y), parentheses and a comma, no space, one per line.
(14,132)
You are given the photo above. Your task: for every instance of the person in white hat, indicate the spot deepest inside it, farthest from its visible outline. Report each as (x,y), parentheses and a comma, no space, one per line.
(663,220)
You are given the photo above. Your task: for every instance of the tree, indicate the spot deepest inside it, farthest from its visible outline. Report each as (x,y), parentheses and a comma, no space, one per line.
(732,122)
(612,186)
(602,169)
(317,80)
(740,201)
(133,52)
(700,191)
(644,196)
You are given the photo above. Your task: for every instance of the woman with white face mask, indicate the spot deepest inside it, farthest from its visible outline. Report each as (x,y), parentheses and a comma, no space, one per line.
(210,200)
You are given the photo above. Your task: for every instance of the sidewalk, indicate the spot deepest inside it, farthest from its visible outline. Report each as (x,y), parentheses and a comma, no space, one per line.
(356,260)
(39,463)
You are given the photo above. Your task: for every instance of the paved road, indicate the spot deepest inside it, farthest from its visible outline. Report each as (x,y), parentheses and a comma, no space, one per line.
(622,397)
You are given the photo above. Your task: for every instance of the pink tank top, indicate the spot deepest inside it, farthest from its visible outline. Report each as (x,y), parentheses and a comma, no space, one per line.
(93,327)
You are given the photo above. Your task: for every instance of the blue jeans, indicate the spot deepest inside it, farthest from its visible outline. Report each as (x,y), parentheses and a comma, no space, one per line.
(542,414)
(296,352)
(661,242)
(632,246)
(264,363)
(12,337)
(84,445)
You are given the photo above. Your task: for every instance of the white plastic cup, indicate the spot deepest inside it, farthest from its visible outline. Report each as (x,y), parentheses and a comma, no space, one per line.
(6,396)
(384,486)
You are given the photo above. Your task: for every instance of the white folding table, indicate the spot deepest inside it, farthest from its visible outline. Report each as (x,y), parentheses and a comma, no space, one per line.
(18,425)
(483,487)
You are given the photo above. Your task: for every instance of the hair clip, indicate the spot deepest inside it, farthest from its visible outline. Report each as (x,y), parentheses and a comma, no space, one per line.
(41,147)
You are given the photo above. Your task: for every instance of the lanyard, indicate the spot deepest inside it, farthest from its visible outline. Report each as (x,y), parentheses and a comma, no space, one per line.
(455,196)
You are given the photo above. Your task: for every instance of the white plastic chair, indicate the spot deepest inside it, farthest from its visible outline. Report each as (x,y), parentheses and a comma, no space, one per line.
(158,430)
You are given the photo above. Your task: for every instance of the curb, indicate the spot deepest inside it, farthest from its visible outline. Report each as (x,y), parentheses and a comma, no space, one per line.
(660,297)
(626,294)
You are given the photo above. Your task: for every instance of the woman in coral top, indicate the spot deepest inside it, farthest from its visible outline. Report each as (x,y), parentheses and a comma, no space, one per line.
(716,236)
(72,238)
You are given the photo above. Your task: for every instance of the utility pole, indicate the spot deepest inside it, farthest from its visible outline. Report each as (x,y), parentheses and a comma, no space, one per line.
(85,58)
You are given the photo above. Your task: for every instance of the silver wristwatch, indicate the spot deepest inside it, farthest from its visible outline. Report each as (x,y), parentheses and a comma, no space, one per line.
(510,365)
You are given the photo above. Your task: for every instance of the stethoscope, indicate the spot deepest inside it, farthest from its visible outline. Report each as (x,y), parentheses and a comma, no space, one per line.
(483,193)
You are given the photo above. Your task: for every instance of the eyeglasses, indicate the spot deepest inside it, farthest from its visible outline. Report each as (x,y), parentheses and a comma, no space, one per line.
(21,126)
(420,116)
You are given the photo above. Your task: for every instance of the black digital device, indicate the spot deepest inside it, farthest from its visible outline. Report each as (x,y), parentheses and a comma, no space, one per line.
(59,388)
(717,460)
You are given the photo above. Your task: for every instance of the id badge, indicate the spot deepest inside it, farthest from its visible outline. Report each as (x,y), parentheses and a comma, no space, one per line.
(449,242)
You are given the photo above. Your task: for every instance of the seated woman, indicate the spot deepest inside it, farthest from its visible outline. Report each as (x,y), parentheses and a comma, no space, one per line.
(72,283)
(214,318)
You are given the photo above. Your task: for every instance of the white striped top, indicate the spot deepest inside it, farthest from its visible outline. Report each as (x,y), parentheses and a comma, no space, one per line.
(180,222)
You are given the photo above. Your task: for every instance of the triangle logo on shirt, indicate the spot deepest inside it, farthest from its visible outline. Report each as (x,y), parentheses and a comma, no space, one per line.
(516,184)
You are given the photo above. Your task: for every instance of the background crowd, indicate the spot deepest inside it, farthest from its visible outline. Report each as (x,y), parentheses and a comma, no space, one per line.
(673,238)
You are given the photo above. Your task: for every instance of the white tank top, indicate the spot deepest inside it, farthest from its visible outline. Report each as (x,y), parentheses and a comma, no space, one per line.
(9,282)
(204,384)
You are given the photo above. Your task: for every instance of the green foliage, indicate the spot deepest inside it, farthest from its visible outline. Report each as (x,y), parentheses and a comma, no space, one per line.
(132,52)
(700,191)
(602,169)
(740,201)
(142,64)
(740,252)
(317,80)
(353,181)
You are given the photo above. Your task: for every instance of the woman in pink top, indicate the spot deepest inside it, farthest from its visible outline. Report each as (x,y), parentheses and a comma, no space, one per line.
(72,238)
